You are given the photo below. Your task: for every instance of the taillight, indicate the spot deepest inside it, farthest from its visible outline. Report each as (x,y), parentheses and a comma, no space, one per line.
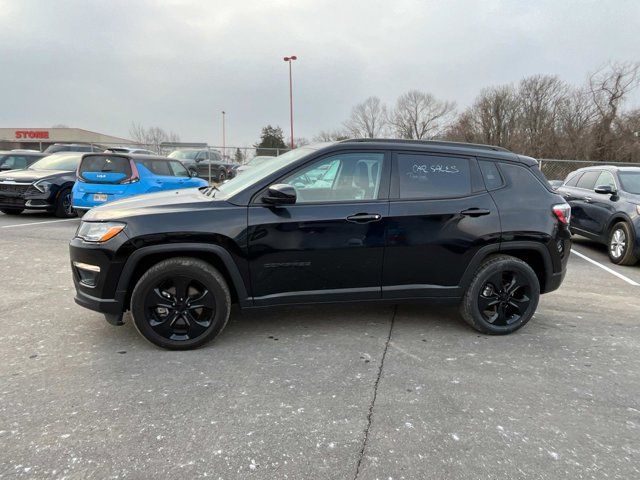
(135,175)
(562,211)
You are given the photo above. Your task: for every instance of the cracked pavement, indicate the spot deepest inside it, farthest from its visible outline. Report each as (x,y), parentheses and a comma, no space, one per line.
(330,392)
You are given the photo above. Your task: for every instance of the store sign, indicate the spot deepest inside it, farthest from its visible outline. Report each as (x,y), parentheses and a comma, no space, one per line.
(31,134)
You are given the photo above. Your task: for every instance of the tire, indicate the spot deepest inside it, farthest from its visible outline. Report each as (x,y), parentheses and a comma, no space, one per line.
(155,297)
(222,176)
(620,245)
(493,304)
(64,208)
(80,213)
(193,172)
(12,211)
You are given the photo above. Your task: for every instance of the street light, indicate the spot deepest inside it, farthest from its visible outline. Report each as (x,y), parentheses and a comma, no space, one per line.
(224,135)
(290,59)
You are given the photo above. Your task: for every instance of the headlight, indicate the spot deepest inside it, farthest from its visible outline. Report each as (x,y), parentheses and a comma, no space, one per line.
(99,231)
(43,186)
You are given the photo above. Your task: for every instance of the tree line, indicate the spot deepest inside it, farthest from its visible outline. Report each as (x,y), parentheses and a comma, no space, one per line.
(541,116)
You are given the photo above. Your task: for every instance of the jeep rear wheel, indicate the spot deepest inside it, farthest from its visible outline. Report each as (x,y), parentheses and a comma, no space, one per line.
(621,242)
(502,297)
(180,303)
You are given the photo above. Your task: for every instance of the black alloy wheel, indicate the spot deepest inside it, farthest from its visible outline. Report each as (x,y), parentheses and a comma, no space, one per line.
(222,176)
(64,207)
(179,308)
(502,296)
(180,303)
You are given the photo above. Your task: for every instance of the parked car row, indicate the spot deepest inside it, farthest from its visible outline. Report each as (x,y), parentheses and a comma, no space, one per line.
(70,183)
(205,163)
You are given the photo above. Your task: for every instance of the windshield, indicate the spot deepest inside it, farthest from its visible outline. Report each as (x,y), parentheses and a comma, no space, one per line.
(184,154)
(254,175)
(255,161)
(59,161)
(630,182)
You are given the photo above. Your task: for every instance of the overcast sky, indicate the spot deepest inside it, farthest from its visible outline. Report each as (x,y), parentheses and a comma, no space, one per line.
(102,65)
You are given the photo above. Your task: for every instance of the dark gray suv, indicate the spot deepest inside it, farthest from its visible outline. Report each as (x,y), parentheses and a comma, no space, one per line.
(605,206)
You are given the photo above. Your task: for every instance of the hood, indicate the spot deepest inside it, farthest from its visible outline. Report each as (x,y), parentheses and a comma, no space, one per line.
(169,201)
(30,176)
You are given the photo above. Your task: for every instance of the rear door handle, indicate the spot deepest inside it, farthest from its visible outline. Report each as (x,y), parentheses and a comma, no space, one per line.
(588,199)
(475,212)
(364,217)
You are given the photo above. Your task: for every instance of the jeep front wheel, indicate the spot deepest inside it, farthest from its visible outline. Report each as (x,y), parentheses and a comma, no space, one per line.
(180,303)
(502,297)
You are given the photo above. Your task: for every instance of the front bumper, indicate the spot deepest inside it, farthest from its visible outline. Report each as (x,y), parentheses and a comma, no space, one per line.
(31,199)
(103,295)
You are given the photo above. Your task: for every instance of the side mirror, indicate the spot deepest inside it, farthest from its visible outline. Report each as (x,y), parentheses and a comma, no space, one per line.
(605,189)
(280,194)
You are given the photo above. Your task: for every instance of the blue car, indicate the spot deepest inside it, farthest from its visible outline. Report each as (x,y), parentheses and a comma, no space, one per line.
(105,177)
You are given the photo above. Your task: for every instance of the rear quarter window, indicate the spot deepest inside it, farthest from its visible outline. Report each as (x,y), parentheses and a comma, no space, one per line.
(492,178)
(105,163)
(430,176)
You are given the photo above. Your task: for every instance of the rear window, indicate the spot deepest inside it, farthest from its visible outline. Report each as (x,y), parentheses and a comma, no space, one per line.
(105,164)
(428,176)
(588,180)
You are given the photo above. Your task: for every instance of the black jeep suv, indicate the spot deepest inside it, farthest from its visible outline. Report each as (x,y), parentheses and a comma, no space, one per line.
(606,207)
(356,220)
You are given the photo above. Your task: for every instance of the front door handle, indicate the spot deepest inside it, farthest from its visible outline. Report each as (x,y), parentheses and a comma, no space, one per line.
(475,212)
(588,199)
(364,217)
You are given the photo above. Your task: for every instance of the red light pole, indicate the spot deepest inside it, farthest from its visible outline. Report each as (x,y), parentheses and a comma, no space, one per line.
(290,59)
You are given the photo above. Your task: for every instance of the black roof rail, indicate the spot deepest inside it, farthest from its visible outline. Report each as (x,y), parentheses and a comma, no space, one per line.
(443,143)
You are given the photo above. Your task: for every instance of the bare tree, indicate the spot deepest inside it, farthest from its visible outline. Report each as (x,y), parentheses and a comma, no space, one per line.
(330,136)
(609,87)
(575,118)
(368,119)
(495,114)
(540,99)
(419,115)
(152,137)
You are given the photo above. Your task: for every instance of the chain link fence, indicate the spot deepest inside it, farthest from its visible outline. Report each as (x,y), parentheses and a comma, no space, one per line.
(559,169)
(232,154)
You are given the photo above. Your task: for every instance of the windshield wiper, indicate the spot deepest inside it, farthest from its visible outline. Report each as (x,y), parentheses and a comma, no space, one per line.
(209,191)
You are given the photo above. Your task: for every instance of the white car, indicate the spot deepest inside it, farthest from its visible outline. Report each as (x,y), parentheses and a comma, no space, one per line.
(254,162)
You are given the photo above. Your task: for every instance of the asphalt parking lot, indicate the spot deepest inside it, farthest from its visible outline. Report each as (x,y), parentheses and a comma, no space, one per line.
(329,393)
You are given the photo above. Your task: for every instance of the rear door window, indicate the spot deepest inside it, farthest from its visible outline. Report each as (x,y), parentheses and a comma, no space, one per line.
(588,180)
(105,164)
(158,167)
(431,176)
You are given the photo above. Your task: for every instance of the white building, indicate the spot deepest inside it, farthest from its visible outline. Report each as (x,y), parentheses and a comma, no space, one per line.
(41,138)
